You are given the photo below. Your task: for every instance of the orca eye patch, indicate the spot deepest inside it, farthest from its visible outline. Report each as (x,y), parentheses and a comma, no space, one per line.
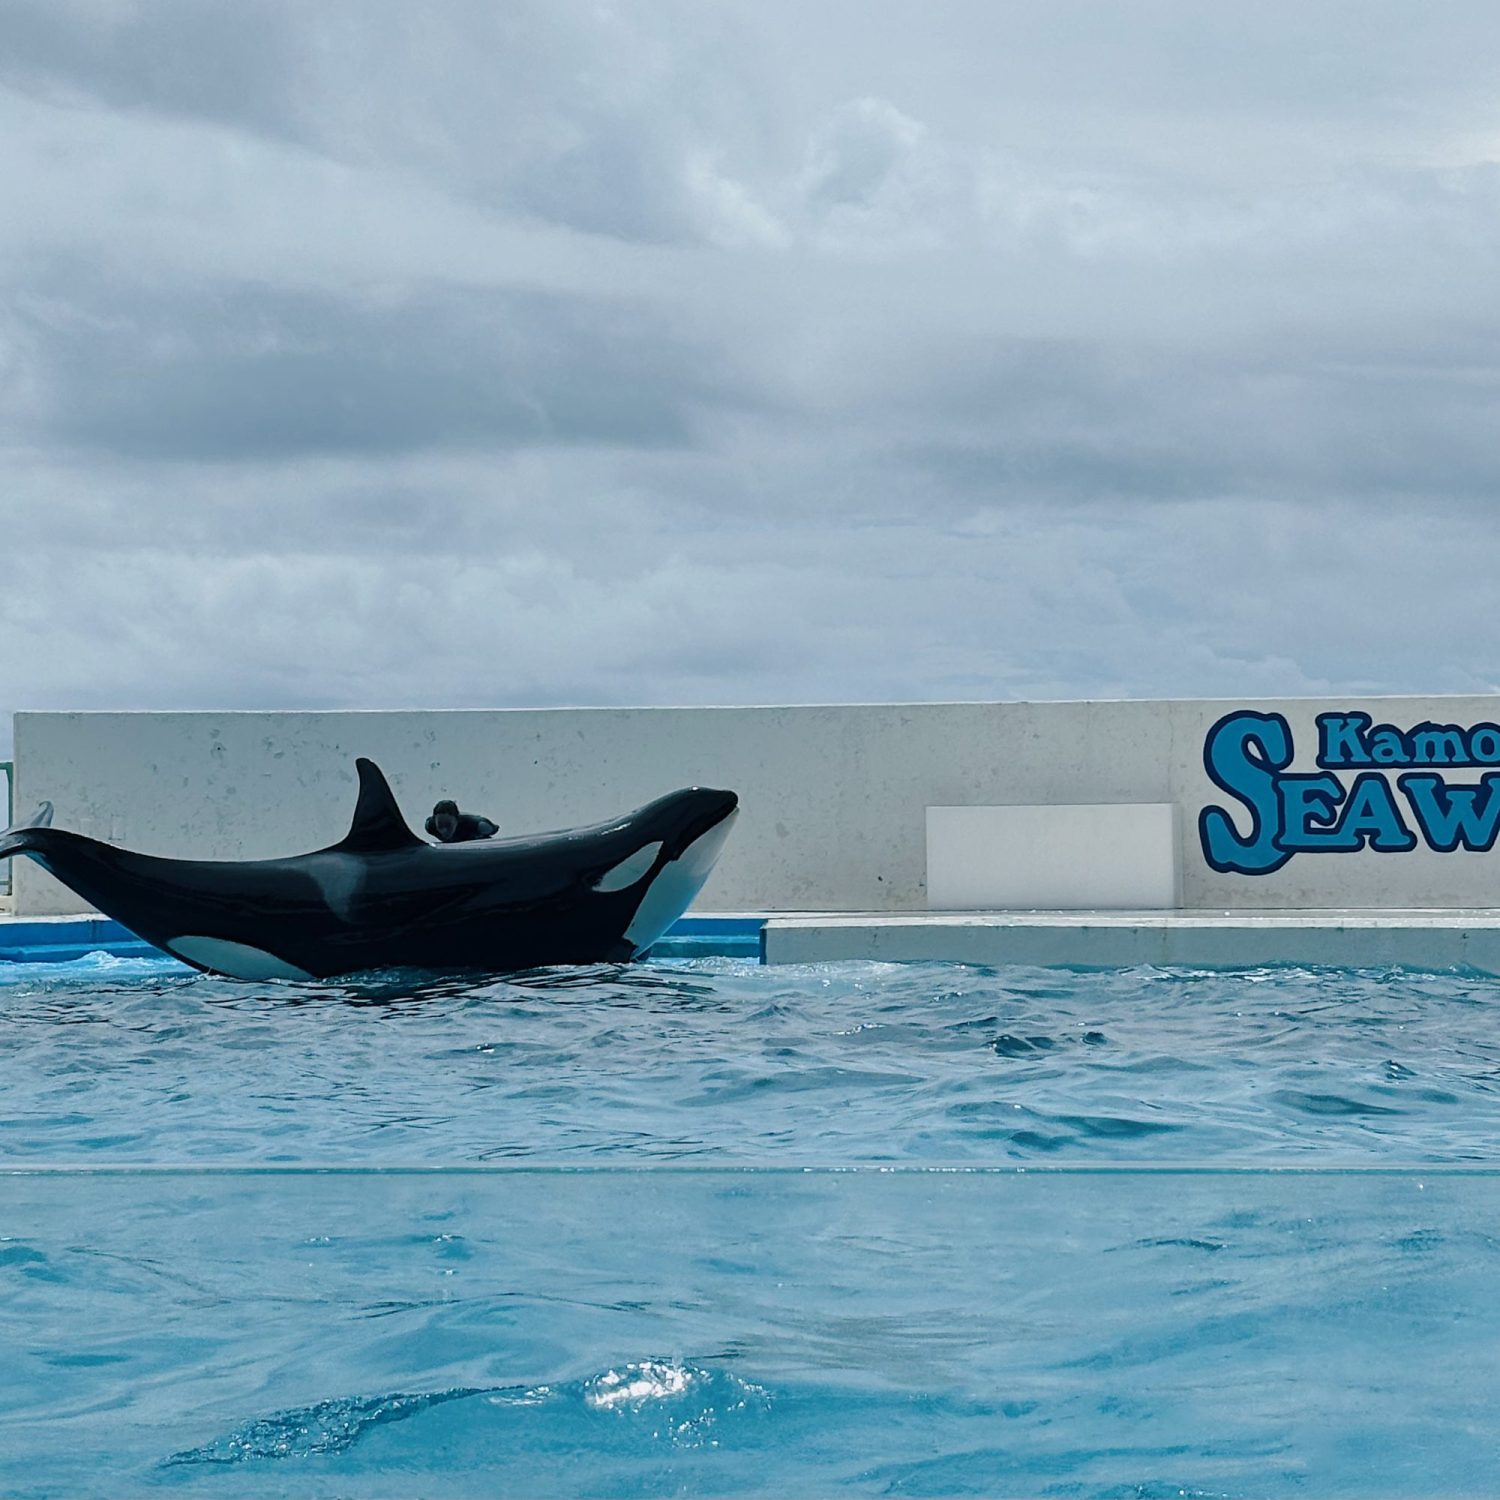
(629,870)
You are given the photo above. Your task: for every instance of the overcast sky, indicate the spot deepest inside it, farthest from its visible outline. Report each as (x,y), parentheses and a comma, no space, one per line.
(374,354)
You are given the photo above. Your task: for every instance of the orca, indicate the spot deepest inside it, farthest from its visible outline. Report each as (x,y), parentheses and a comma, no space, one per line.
(383,898)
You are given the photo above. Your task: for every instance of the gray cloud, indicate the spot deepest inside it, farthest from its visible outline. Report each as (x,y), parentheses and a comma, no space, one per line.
(1303,421)
(373,354)
(567,111)
(854,154)
(251,372)
(237,66)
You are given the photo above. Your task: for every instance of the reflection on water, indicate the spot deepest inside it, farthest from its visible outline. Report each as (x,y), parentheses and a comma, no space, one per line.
(593,984)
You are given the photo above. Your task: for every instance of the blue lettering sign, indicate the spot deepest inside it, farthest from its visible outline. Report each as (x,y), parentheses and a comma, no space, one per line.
(1453,817)
(1247,755)
(1242,756)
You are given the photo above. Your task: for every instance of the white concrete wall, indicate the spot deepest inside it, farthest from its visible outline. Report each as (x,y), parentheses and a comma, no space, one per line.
(1119,856)
(834,798)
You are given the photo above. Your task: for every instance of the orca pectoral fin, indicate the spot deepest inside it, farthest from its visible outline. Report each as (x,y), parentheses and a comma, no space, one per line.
(14,840)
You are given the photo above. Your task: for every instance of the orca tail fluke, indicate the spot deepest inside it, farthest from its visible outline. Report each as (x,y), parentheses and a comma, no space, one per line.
(15,839)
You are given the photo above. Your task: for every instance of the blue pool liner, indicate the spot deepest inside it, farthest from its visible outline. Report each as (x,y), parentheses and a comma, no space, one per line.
(56,942)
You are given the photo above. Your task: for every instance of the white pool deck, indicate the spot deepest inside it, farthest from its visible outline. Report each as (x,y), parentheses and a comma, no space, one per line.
(1432,939)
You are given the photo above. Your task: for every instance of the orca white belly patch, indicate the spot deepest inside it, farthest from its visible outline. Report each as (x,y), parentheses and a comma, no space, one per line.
(238,960)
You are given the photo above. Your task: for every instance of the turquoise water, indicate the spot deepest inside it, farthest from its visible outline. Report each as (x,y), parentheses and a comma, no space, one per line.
(707,1228)
(722,1060)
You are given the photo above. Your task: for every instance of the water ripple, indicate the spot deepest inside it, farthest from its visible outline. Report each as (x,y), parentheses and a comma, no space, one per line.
(134,1060)
(684,1403)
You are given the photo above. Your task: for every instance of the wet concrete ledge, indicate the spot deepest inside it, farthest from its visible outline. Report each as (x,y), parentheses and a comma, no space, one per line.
(1092,939)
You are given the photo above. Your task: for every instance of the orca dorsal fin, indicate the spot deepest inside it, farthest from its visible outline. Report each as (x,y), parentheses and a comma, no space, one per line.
(378,827)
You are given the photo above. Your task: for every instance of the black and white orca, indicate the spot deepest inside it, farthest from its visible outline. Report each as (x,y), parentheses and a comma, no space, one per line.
(383,898)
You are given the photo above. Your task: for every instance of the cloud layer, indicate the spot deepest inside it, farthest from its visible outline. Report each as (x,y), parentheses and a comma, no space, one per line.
(375,355)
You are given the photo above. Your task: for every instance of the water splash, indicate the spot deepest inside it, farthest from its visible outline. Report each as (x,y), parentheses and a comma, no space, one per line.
(684,1404)
(326,1427)
(635,1385)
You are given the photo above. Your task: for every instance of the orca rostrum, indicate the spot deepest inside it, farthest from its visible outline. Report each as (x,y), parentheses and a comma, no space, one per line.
(383,898)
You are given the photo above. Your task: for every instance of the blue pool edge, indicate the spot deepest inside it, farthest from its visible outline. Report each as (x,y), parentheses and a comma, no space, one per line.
(59,940)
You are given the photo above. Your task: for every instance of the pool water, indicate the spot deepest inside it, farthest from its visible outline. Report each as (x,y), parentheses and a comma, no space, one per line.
(709,1228)
(721,1060)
